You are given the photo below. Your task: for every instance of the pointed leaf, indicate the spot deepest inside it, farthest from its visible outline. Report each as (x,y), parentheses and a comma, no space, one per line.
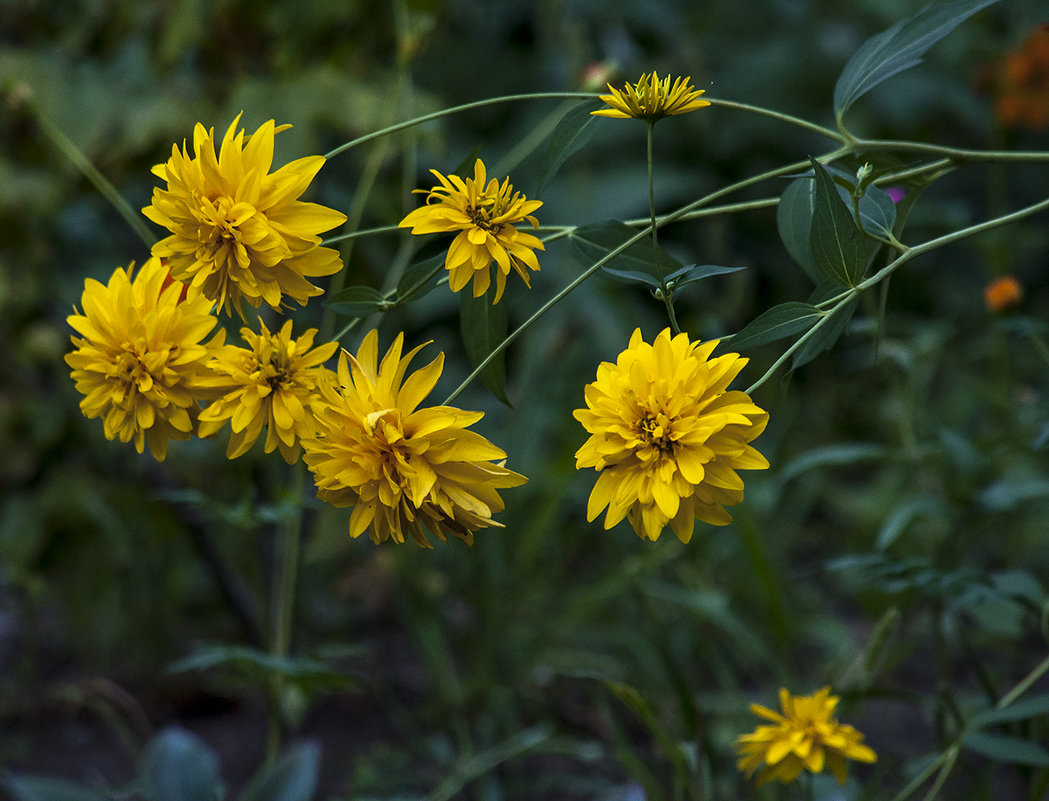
(906,513)
(899,48)
(591,243)
(839,249)
(179,766)
(827,335)
(356,301)
(1003,748)
(420,279)
(697,272)
(1033,707)
(571,133)
(483,327)
(776,323)
(292,777)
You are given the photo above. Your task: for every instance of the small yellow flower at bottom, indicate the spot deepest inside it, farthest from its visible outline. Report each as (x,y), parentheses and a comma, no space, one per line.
(403,467)
(806,736)
(651,99)
(485,215)
(667,437)
(140,362)
(275,382)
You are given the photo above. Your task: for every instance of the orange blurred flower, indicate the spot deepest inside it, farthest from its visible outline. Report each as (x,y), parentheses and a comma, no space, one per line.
(1002,293)
(1023,84)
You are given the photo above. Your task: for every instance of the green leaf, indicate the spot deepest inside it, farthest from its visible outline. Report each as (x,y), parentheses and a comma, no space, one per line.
(571,133)
(776,323)
(899,48)
(1033,707)
(178,766)
(692,273)
(906,513)
(591,243)
(1003,748)
(832,455)
(483,326)
(255,664)
(794,222)
(827,335)
(420,279)
(292,777)
(357,301)
(42,788)
(839,248)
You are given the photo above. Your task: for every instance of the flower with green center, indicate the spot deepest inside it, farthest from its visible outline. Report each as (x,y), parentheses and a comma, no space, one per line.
(274,382)
(806,736)
(403,467)
(238,231)
(667,437)
(651,99)
(140,362)
(485,215)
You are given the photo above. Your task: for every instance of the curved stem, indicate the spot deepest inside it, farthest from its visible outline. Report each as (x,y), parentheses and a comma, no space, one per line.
(360,140)
(952,153)
(829,133)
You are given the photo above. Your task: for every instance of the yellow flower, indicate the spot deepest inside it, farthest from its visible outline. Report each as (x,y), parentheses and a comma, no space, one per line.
(805,737)
(485,217)
(140,363)
(238,231)
(666,436)
(652,99)
(400,466)
(274,382)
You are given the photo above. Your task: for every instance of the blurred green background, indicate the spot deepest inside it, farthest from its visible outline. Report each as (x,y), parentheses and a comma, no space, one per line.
(897,549)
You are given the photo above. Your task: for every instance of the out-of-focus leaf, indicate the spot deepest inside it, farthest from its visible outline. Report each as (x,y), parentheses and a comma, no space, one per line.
(906,513)
(1003,748)
(292,777)
(255,664)
(844,453)
(591,243)
(776,323)
(483,326)
(571,133)
(42,788)
(899,48)
(839,248)
(1032,707)
(356,301)
(1009,493)
(178,766)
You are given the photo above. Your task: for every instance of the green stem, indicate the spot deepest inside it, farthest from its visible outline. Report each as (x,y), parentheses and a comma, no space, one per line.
(952,153)
(360,140)
(285,573)
(651,189)
(1024,684)
(98,180)
(790,351)
(776,115)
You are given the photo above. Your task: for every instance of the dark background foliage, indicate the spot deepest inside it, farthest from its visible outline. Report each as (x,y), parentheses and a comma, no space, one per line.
(896,549)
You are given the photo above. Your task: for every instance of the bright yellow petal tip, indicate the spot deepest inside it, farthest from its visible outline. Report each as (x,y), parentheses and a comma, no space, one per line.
(805,737)
(484,217)
(238,231)
(667,437)
(403,467)
(652,98)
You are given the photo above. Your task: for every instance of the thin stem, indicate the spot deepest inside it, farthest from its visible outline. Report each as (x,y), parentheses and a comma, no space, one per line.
(285,573)
(381,229)
(360,140)
(952,153)
(651,189)
(98,180)
(1024,684)
(790,351)
(776,115)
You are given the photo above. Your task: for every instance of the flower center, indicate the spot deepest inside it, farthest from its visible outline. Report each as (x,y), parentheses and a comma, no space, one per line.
(480,216)
(654,429)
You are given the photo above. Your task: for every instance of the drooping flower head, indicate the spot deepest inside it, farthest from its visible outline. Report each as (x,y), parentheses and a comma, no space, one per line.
(485,216)
(239,232)
(667,437)
(403,467)
(140,362)
(274,382)
(652,98)
(806,736)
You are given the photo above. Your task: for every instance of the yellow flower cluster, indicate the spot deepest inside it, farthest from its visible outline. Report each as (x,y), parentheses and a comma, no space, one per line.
(651,99)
